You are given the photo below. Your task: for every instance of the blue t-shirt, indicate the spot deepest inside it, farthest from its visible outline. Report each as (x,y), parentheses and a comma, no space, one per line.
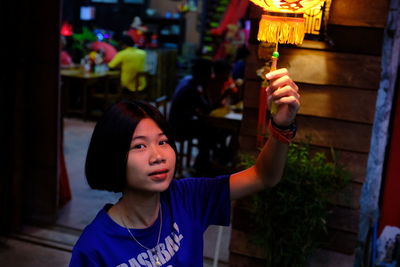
(189,206)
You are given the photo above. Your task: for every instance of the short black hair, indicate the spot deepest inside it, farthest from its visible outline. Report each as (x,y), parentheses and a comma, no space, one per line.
(106,159)
(222,67)
(126,40)
(201,70)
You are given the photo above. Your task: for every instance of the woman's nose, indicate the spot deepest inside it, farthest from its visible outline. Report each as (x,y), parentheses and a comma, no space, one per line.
(156,155)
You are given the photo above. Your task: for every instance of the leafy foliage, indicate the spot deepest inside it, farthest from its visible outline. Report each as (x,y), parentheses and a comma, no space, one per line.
(80,39)
(291,217)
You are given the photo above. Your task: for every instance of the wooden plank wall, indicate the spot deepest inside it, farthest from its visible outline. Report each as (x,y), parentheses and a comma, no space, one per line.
(338,86)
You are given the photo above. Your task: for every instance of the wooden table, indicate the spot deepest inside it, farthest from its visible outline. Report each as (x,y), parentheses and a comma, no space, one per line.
(228,120)
(227,117)
(77,81)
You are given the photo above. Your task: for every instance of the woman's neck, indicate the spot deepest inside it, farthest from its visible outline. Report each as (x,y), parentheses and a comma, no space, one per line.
(135,210)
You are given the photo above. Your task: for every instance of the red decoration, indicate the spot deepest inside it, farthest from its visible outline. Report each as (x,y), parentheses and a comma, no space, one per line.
(66,29)
(390,207)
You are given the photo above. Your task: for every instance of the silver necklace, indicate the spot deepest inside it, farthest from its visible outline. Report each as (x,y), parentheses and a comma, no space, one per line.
(156,249)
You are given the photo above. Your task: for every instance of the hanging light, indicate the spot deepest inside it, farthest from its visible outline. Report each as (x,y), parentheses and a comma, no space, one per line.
(283,20)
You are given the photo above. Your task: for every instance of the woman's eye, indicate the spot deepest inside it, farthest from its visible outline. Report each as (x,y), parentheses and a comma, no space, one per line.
(163,142)
(138,146)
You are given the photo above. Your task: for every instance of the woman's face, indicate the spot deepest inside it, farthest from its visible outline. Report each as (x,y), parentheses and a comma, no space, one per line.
(151,160)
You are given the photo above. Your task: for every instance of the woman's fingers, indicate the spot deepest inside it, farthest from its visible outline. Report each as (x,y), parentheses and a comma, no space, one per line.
(276,74)
(283,81)
(289,100)
(275,96)
(282,89)
(285,91)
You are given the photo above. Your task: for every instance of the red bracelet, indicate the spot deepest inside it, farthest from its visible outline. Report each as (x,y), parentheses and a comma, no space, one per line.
(284,136)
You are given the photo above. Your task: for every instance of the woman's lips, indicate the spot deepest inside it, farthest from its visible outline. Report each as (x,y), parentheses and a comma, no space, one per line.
(159,174)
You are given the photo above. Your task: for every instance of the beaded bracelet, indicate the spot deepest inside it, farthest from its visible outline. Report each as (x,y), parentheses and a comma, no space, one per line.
(284,135)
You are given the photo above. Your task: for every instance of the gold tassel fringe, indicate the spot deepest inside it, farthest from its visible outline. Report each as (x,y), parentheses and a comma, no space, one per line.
(281,30)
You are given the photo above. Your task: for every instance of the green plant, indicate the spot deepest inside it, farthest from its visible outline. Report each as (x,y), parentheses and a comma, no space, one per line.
(291,217)
(80,39)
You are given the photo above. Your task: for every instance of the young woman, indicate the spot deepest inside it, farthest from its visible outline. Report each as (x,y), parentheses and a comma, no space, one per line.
(160,221)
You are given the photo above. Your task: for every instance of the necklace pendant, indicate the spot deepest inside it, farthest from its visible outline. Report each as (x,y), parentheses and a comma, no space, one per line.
(158,263)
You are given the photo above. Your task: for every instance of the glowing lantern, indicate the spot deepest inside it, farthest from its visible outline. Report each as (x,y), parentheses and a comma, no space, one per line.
(282,22)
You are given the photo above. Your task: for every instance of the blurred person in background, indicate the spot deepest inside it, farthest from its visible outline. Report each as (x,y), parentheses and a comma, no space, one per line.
(189,105)
(131,61)
(65,58)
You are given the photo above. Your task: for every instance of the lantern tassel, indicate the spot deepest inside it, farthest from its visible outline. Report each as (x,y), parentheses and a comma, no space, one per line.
(275,29)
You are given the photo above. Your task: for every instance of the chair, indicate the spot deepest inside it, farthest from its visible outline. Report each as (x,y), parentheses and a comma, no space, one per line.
(137,95)
(104,93)
(144,94)
(162,103)
(184,147)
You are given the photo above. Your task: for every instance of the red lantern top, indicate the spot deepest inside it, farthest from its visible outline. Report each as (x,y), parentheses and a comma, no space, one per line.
(287,6)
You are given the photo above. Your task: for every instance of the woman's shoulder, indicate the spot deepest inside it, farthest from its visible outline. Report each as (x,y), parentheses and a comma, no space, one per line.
(93,232)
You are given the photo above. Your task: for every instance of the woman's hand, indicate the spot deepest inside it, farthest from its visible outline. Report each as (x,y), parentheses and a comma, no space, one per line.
(285,94)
